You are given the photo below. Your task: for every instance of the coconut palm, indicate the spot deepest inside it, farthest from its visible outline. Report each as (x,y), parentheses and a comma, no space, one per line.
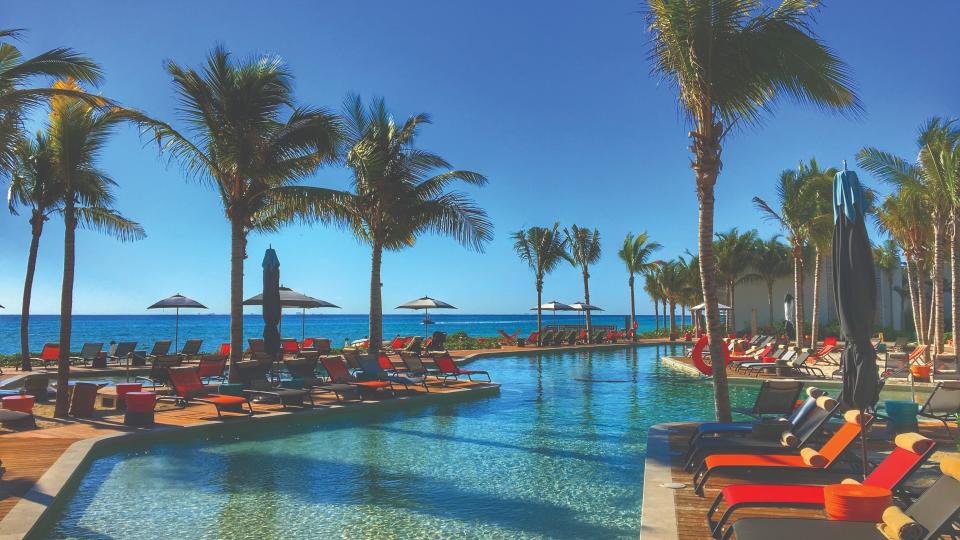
(636,255)
(77,135)
(772,261)
(584,247)
(886,257)
(730,61)
(400,192)
(651,285)
(819,189)
(691,292)
(248,140)
(672,284)
(16,96)
(734,252)
(543,250)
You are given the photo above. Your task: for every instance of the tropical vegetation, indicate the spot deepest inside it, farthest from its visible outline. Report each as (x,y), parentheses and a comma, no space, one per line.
(543,249)
(584,250)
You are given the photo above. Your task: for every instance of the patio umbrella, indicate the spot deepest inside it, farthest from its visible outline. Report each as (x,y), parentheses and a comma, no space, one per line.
(293,299)
(583,307)
(854,289)
(426,304)
(178,302)
(553,306)
(270,300)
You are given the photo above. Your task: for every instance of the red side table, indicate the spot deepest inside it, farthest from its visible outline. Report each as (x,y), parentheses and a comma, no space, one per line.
(856,502)
(139,408)
(22,403)
(125,388)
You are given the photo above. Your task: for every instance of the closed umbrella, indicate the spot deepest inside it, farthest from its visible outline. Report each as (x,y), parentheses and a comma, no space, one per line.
(178,302)
(554,306)
(854,289)
(270,300)
(290,298)
(426,304)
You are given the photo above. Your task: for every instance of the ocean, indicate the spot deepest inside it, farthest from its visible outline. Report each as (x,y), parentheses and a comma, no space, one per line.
(215,329)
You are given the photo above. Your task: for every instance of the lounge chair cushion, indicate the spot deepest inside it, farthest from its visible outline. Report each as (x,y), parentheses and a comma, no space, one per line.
(913,442)
(813,458)
(950,466)
(899,526)
(751,460)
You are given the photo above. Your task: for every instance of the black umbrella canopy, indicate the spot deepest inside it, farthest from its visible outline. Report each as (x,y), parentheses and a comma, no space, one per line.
(291,298)
(270,300)
(177,301)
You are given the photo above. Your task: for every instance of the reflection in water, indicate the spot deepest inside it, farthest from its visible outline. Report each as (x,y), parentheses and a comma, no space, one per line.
(553,455)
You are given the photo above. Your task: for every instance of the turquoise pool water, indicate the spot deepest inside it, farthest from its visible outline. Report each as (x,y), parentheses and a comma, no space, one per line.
(557,454)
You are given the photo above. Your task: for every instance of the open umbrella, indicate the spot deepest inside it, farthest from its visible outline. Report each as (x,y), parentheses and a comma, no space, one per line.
(293,299)
(426,304)
(584,307)
(270,300)
(553,306)
(178,302)
(854,289)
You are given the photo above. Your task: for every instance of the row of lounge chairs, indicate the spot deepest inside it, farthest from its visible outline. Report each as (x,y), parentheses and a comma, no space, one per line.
(92,354)
(556,338)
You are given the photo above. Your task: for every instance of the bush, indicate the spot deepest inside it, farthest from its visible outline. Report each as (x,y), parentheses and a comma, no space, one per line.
(461,341)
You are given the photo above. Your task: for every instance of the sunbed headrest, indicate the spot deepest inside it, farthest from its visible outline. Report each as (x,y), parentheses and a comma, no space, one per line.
(853,416)
(899,526)
(826,403)
(913,442)
(813,458)
(788,439)
(850,481)
(950,466)
(814,392)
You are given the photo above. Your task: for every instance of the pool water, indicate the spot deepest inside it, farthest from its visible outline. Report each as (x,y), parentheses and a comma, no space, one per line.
(557,454)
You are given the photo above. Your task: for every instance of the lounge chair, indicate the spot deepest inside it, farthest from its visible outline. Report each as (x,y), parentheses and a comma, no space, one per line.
(546,338)
(945,367)
(448,370)
(558,339)
(337,371)
(898,364)
(900,345)
(211,366)
(774,398)
(189,389)
(935,510)
(160,370)
(767,362)
(253,375)
(88,353)
(789,441)
(822,355)
(529,340)
(437,342)
(224,350)
(508,339)
(50,354)
(910,452)
(806,460)
(943,404)
(289,348)
(305,369)
(351,356)
(256,347)
(191,349)
(120,352)
(373,371)
(140,358)
(571,338)
(415,365)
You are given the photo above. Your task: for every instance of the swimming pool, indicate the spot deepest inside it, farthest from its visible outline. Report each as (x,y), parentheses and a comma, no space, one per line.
(557,454)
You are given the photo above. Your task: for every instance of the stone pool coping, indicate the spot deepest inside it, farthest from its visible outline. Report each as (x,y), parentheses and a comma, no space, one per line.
(658,513)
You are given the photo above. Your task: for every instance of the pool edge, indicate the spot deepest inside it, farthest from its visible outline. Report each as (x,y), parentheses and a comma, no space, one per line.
(658,513)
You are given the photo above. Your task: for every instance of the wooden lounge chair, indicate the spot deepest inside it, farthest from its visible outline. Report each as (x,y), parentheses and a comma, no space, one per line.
(189,389)
(935,510)
(910,452)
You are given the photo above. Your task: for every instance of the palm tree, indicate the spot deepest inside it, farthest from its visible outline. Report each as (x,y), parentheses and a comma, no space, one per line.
(886,257)
(651,285)
(731,60)
(34,186)
(819,189)
(584,246)
(635,254)
(398,193)
(249,141)
(771,262)
(690,289)
(672,283)
(16,97)
(77,134)
(734,259)
(543,250)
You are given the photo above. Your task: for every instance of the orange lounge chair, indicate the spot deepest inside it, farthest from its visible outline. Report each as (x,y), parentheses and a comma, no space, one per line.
(336,369)
(188,388)
(898,363)
(807,460)
(822,355)
(448,369)
(211,367)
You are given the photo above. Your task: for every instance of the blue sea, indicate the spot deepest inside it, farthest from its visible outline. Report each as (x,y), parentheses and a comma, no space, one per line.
(215,329)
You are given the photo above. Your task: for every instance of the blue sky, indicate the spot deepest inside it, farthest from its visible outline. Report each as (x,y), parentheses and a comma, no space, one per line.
(553,101)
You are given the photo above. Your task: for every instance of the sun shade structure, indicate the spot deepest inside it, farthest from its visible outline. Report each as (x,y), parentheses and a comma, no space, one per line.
(426,304)
(177,302)
(290,298)
(553,306)
(270,300)
(584,307)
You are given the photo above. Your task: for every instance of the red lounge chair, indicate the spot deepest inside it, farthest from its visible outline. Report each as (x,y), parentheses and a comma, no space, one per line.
(385,363)
(212,367)
(289,347)
(822,355)
(897,364)
(224,350)
(188,387)
(827,456)
(448,370)
(508,339)
(891,473)
(50,354)
(336,369)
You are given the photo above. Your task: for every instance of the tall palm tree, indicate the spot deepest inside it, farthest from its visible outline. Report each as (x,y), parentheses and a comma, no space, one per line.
(636,255)
(772,261)
(16,96)
(934,178)
(651,285)
(34,186)
(734,252)
(584,246)
(543,250)
(249,141)
(691,291)
(819,189)
(886,257)
(730,61)
(77,135)
(671,276)
(401,192)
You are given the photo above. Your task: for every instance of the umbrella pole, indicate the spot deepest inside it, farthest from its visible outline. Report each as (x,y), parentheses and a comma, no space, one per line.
(176,333)
(303,324)
(426,316)
(863,442)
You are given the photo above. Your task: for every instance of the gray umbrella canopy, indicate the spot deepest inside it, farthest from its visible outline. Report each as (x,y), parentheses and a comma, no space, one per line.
(426,304)
(270,300)
(583,306)
(177,302)
(290,298)
(553,305)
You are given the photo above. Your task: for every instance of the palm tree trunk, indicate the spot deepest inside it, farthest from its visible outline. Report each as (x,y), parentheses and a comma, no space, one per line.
(66,308)
(663,312)
(656,314)
(683,318)
(798,296)
(915,307)
(889,276)
(954,282)
(815,318)
(673,318)
(920,287)
(238,252)
(586,298)
(937,303)
(36,229)
(733,305)
(539,310)
(375,333)
(770,301)
(633,305)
